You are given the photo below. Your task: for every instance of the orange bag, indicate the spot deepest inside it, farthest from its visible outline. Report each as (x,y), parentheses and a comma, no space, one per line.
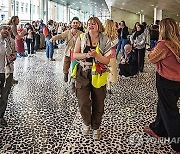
(45,31)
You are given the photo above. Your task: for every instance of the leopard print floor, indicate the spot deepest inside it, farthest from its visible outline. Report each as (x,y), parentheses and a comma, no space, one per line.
(43,116)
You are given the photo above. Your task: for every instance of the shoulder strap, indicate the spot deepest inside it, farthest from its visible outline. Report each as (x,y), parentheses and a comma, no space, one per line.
(90,40)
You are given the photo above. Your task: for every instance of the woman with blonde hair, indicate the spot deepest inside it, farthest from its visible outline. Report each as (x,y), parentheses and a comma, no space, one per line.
(166,57)
(111,33)
(92,50)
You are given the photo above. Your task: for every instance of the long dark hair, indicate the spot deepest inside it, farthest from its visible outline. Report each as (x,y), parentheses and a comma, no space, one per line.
(137,33)
(123,23)
(12,20)
(134,29)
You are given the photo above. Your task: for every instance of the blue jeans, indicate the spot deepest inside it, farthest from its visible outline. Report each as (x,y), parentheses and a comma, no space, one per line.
(152,43)
(49,47)
(120,46)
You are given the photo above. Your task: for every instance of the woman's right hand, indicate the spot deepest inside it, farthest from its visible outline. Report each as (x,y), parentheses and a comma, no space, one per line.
(52,39)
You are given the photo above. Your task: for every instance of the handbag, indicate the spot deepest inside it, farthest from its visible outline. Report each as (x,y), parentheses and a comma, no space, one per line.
(100,67)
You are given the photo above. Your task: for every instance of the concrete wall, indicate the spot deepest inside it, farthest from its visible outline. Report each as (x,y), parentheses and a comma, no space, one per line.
(130,18)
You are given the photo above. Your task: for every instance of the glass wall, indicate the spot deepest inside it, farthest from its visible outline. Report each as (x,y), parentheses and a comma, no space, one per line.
(30,10)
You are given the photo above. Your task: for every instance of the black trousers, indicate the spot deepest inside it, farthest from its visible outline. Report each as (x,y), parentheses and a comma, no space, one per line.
(141,56)
(2,102)
(167,123)
(5,93)
(127,70)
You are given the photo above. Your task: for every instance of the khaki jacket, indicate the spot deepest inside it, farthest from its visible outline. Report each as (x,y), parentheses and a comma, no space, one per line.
(70,39)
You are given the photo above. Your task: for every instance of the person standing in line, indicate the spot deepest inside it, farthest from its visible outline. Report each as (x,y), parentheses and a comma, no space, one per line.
(20,43)
(14,21)
(42,37)
(70,36)
(122,36)
(138,40)
(90,50)
(111,33)
(48,33)
(154,34)
(166,57)
(30,40)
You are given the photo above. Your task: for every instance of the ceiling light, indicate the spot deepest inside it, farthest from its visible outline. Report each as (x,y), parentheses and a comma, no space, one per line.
(80,2)
(152,5)
(177,15)
(123,3)
(121,8)
(138,12)
(142,10)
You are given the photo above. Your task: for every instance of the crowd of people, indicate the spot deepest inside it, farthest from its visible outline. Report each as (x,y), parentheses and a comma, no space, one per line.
(92,53)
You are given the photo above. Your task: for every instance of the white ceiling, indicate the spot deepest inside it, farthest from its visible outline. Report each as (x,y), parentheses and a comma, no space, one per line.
(93,7)
(171,8)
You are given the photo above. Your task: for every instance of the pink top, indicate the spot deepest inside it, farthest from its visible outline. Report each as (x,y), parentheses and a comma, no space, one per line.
(166,60)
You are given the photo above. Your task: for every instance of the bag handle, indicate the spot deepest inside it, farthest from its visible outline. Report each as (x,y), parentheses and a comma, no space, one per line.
(90,40)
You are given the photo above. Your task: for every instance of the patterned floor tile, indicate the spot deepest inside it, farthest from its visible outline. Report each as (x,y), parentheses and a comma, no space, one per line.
(43,116)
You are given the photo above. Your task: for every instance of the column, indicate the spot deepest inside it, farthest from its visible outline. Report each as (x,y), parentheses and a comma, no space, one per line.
(79,14)
(9,9)
(41,10)
(46,19)
(67,14)
(157,14)
(140,18)
(56,12)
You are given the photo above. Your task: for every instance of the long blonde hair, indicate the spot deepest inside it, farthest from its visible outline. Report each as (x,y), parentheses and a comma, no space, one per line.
(110,29)
(169,31)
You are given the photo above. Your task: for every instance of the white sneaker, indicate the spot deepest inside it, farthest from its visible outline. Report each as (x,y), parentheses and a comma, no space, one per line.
(85,129)
(96,134)
(123,77)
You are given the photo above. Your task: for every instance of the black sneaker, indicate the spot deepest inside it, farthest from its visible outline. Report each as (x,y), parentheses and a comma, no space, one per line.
(109,91)
(3,122)
(14,81)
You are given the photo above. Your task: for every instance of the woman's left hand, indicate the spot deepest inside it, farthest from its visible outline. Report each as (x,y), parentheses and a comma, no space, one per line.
(93,53)
(12,57)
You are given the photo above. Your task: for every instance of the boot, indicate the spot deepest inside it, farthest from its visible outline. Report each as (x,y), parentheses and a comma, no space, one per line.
(65,77)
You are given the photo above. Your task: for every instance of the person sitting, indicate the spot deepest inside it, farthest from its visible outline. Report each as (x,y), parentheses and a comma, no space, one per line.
(129,63)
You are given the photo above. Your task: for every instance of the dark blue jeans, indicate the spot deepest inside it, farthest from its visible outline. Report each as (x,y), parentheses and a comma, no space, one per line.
(152,43)
(120,46)
(49,48)
(30,46)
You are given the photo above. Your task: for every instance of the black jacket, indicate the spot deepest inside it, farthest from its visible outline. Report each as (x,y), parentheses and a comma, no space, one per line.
(125,32)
